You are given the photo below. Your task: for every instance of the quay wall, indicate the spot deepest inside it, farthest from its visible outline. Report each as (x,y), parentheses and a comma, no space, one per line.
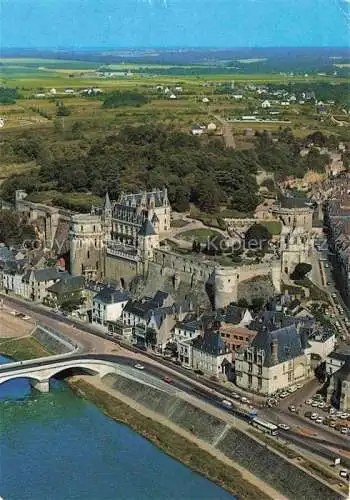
(281,474)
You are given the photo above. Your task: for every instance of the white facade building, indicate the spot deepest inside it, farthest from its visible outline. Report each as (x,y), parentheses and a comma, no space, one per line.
(108,305)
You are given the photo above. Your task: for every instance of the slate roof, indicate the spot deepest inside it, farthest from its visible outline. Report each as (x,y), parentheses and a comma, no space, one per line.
(147,229)
(210,343)
(111,295)
(289,344)
(68,284)
(189,326)
(233,314)
(46,274)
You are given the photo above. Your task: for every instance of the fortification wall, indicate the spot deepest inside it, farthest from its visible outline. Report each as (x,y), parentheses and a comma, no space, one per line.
(117,269)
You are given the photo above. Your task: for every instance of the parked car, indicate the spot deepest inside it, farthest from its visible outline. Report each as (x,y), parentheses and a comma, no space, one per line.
(292,409)
(167,379)
(319,420)
(314,416)
(343,473)
(308,402)
(344,430)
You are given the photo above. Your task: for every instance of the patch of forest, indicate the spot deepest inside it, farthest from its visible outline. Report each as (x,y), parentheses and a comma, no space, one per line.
(204,173)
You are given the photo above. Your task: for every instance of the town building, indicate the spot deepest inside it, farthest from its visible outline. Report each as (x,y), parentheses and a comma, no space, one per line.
(68,289)
(108,306)
(274,360)
(339,386)
(211,355)
(37,281)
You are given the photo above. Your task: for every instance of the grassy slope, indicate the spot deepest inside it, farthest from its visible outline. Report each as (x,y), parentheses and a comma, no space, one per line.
(22,348)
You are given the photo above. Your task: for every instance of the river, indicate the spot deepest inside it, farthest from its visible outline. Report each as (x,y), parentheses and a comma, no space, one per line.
(57,446)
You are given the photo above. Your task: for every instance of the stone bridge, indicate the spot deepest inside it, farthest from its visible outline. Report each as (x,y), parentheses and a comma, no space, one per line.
(40,371)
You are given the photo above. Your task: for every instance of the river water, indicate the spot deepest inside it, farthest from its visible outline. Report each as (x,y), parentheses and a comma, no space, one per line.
(58,446)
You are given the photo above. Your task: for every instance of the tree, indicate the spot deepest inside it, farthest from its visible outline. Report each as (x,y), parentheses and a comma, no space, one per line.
(257,237)
(63,110)
(300,271)
(12,230)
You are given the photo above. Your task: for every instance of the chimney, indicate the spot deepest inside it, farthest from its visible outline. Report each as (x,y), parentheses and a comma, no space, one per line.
(274,352)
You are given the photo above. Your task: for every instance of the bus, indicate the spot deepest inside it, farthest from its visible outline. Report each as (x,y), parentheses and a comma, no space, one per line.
(265,426)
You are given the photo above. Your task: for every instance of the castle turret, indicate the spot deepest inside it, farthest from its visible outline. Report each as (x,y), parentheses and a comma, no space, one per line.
(86,241)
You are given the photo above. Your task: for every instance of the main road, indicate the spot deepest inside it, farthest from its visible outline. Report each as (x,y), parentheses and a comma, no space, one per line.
(101,346)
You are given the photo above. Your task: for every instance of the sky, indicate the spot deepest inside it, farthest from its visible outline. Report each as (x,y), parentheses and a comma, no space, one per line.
(174,23)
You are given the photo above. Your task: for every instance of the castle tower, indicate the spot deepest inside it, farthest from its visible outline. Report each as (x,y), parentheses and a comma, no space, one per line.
(86,246)
(225,286)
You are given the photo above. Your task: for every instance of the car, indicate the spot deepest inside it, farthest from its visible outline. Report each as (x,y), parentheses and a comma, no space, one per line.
(314,416)
(244,400)
(292,409)
(283,395)
(344,416)
(308,401)
(167,379)
(332,424)
(235,395)
(343,473)
(319,420)
(344,430)
(339,414)
(321,405)
(284,427)
(300,386)
(139,367)
(332,411)
(334,295)
(315,404)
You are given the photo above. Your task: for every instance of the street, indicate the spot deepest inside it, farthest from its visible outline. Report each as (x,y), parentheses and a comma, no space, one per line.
(97,343)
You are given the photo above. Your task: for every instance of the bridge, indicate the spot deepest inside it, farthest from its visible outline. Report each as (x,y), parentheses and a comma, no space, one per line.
(40,371)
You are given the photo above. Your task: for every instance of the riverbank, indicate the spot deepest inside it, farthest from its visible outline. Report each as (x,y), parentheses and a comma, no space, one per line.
(22,348)
(170,442)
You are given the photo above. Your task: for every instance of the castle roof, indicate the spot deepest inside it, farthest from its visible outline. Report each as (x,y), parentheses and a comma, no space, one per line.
(289,345)
(147,229)
(107,205)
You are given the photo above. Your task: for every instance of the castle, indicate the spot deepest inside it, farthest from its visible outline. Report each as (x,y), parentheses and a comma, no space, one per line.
(125,240)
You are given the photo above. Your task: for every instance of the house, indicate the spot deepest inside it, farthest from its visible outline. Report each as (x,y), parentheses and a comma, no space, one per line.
(12,273)
(211,355)
(236,337)
(321,344)
(237,97)
(158,314)
(172,96)
(108,306)
(37,281)
(67,289)
(196,130)
(338,390)
(266,104)
(274,360)
(285,103)
(205,100)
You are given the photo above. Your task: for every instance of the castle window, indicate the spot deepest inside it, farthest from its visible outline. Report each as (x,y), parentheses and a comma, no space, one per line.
(81,228)
(97,265)
(94,228)
(88,254)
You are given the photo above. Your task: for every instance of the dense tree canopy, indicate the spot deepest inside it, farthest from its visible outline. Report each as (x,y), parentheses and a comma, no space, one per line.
(207,174)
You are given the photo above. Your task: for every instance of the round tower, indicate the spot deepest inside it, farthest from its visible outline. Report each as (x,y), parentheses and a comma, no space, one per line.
(86,246)
(225,286)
